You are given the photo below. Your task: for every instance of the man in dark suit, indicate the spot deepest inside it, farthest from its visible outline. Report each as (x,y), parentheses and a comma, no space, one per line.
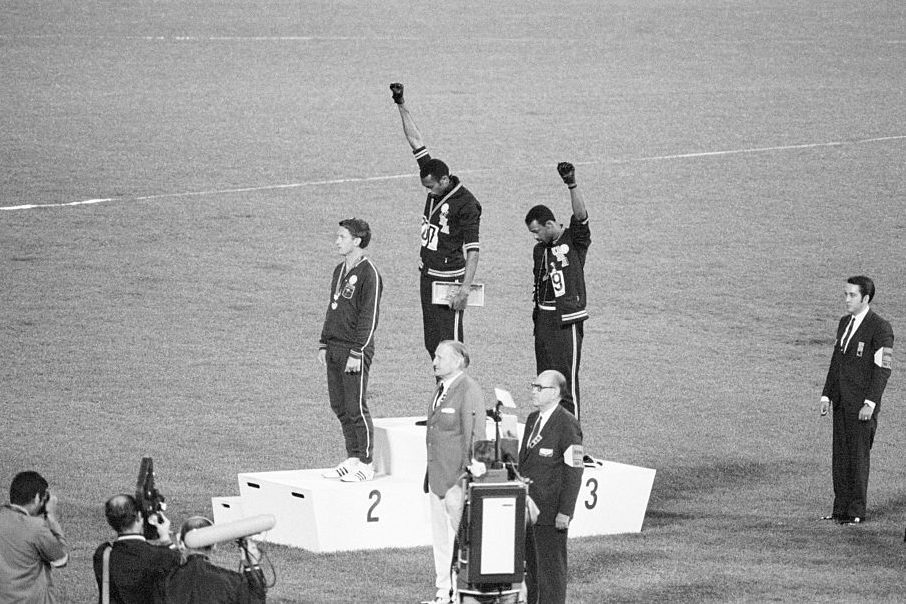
(456,420)
(197,581)
(551,456)
(127,568)
(859,369)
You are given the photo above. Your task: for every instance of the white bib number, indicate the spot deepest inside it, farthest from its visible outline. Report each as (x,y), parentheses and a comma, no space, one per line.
(557,282)
(429,235)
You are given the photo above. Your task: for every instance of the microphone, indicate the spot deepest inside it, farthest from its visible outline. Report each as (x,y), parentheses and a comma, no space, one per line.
(229,531)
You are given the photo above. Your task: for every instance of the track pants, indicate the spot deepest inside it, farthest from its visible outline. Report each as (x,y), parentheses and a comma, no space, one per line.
(347,393)
(560,348)
(440,322)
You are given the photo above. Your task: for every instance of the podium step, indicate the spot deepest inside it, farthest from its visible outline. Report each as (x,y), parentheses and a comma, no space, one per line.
(327,515)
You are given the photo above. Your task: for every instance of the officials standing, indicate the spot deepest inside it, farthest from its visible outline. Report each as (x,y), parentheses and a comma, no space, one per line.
(859,369)
(551,456)
(456,420)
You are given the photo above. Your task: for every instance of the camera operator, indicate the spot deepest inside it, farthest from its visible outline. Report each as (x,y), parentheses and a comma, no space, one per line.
(31,541)
(127,568)
(197,581)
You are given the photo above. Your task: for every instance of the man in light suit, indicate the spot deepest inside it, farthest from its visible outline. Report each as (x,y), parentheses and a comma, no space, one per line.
(456,420)
(551,456)
(859,369)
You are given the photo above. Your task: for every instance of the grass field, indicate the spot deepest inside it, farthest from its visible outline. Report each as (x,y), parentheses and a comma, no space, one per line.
(740,160)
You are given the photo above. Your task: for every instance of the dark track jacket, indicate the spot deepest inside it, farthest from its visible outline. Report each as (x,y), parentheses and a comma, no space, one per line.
(352,314)
(559,271)
(450,228)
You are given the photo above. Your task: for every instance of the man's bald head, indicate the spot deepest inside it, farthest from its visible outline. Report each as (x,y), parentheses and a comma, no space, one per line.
(122,512)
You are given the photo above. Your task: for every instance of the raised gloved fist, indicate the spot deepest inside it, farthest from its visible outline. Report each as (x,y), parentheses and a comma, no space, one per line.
(397,89)
(567,173)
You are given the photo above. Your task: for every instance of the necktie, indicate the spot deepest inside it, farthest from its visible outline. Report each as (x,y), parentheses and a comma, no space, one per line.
(438,396)
(533,437)
(847,334)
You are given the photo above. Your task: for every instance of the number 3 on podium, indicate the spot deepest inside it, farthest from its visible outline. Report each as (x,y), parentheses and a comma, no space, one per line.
(589,503)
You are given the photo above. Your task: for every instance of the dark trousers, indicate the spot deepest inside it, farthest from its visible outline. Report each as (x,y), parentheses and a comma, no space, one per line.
(560,348)
(347,393)
(545,565)
(852,443)
(440,322)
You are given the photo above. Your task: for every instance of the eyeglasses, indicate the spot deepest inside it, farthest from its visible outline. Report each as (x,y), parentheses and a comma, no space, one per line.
(540,387)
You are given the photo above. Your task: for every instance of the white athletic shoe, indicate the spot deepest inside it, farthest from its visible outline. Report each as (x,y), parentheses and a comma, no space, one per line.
(343,469)
(361,473)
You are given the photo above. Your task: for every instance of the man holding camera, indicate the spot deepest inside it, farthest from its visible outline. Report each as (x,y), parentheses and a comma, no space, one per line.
(31,541)
(127,568)
(198,581)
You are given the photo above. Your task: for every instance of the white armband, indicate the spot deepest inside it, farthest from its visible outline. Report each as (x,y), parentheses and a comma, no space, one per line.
(884,357)
(573,456)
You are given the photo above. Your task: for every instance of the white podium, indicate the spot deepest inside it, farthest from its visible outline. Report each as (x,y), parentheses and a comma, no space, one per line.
(613,500)
(327,515)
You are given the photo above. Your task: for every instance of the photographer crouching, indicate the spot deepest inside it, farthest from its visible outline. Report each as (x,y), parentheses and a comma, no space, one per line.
(197,581)
(128,567)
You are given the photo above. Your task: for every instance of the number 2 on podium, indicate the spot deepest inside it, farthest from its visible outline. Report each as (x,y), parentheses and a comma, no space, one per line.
(376,495)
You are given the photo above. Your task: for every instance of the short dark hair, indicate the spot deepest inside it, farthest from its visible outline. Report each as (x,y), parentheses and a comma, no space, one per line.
(866,286)
(358,228)
(435,168)
(540,213)
(25,486)
(195,522)
(121,511)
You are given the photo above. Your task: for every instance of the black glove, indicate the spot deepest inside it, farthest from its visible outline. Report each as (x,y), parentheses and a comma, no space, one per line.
(397,89)
(567,173)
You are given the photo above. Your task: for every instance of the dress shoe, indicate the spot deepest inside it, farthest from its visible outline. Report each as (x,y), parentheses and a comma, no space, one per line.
(831,517)
(854,521)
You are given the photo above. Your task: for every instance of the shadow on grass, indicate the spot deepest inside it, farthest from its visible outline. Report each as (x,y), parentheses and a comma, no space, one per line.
(704,590)
(584,568)
(672,487)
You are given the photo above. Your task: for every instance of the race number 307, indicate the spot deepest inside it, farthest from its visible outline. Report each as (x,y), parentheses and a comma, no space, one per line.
(429,235)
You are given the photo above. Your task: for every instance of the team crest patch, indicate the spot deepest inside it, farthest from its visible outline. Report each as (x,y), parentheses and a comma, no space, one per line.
(444,219)
(348,291)
(560,251)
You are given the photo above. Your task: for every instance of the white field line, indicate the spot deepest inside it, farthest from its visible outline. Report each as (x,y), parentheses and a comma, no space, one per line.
(377,38)
(339,181)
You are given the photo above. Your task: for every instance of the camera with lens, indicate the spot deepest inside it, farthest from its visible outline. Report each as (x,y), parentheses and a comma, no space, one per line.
(149,499)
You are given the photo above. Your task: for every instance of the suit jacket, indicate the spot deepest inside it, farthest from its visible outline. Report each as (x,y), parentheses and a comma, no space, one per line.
(197,581)
(862,371)
(554,464)
(453,427)
(135,565)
